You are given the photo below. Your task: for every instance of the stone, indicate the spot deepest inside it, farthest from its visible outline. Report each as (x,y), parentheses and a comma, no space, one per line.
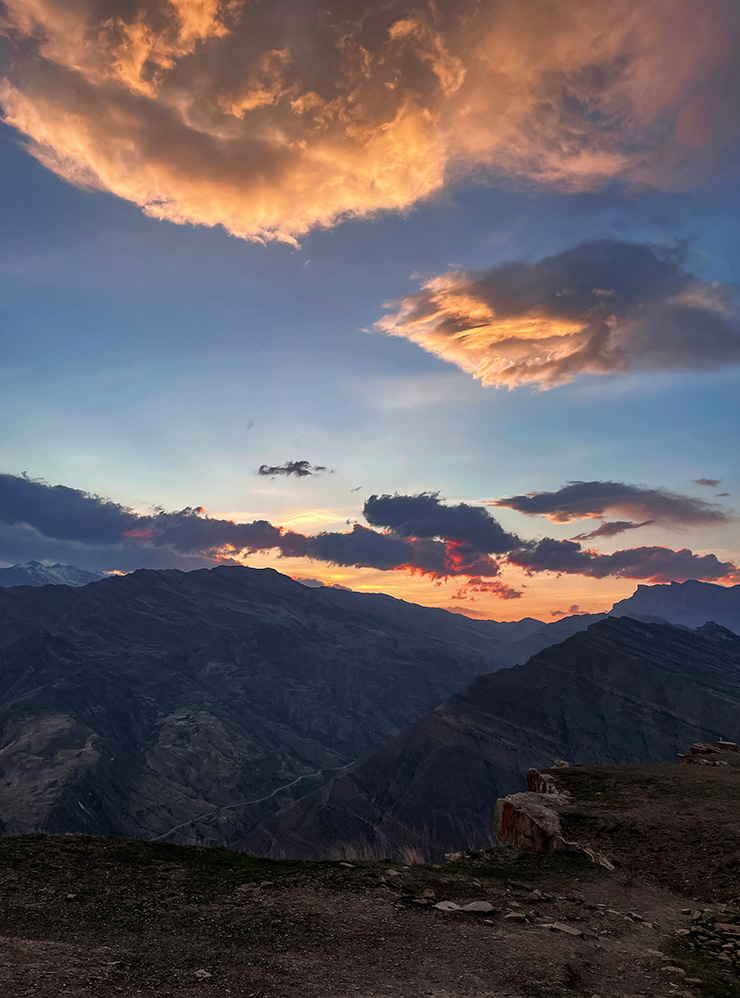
(478,906)
(267,883)
(530,821)
(350,866)
(670,969)
(515,916)
(447,906)
(570,930)
(202,975)
(428,893)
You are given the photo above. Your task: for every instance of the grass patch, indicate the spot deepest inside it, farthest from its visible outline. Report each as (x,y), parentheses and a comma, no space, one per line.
(717,982)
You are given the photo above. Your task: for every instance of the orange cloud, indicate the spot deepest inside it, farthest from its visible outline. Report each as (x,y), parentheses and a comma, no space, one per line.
(273,119)
(597,308)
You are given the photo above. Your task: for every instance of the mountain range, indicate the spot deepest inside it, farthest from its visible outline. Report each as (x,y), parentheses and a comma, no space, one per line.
(623,691)
(34,573)
(198,705)
(162,698)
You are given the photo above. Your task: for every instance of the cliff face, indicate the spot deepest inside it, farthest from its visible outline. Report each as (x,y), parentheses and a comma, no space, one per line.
(165,699)
(621,692)
(688,603)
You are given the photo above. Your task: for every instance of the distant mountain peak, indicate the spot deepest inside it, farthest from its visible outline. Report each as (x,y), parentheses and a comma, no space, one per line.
(35,573)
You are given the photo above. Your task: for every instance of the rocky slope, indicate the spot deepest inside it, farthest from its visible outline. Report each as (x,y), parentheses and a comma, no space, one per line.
(83,916)
(623,691)
(163,701)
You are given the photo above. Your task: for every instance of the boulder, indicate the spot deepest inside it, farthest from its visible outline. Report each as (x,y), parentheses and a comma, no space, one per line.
(529,821)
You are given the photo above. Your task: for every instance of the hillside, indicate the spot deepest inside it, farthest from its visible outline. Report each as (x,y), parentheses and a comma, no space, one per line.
(94,917)
(171,703)
(621,692)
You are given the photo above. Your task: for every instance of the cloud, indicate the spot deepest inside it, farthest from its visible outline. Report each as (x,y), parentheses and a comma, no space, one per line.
(298,468)
(710,483)
(424,515)
(651,564)
(491,588)
(612,529)
(272,119)
(602,307)
(36,510)
(583,500)
(574,609)
(421,535)
(721,495)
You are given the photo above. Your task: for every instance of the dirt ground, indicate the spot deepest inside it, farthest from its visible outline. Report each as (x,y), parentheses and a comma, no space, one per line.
(103,917)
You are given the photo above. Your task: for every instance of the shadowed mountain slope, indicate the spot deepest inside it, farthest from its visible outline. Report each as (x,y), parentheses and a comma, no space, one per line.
(166,700)
(623,691)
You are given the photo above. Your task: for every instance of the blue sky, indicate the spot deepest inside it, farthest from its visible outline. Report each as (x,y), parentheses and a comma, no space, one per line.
(161,364)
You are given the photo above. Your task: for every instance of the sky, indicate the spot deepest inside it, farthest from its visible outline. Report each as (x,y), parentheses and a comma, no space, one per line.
(359,291)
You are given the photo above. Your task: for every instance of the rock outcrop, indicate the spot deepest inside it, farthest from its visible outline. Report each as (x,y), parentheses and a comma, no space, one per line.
(701,754)
(530,821)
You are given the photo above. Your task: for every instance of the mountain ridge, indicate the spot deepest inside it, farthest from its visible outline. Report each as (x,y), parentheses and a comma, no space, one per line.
(623,691)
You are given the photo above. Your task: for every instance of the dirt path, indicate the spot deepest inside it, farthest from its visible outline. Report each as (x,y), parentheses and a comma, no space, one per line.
(94,917)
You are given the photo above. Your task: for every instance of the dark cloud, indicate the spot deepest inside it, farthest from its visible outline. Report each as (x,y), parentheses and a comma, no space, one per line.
(653,564)
(612,529)
(581,500)
(423,515)
(601,307)
(420,534)
(574,609)
(721,495)
(301,469)
(122,538)
(64,513)
(711,483)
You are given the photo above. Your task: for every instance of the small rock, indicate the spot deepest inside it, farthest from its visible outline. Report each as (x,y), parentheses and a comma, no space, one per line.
(447,906)
(393,873)
(670,969)
(350,866)
(635,917)
(267,883)
(570,930)
(694,980)
(515,916)
(686,911)
(71,897)
(202,975)
(478,906)
(428,893)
